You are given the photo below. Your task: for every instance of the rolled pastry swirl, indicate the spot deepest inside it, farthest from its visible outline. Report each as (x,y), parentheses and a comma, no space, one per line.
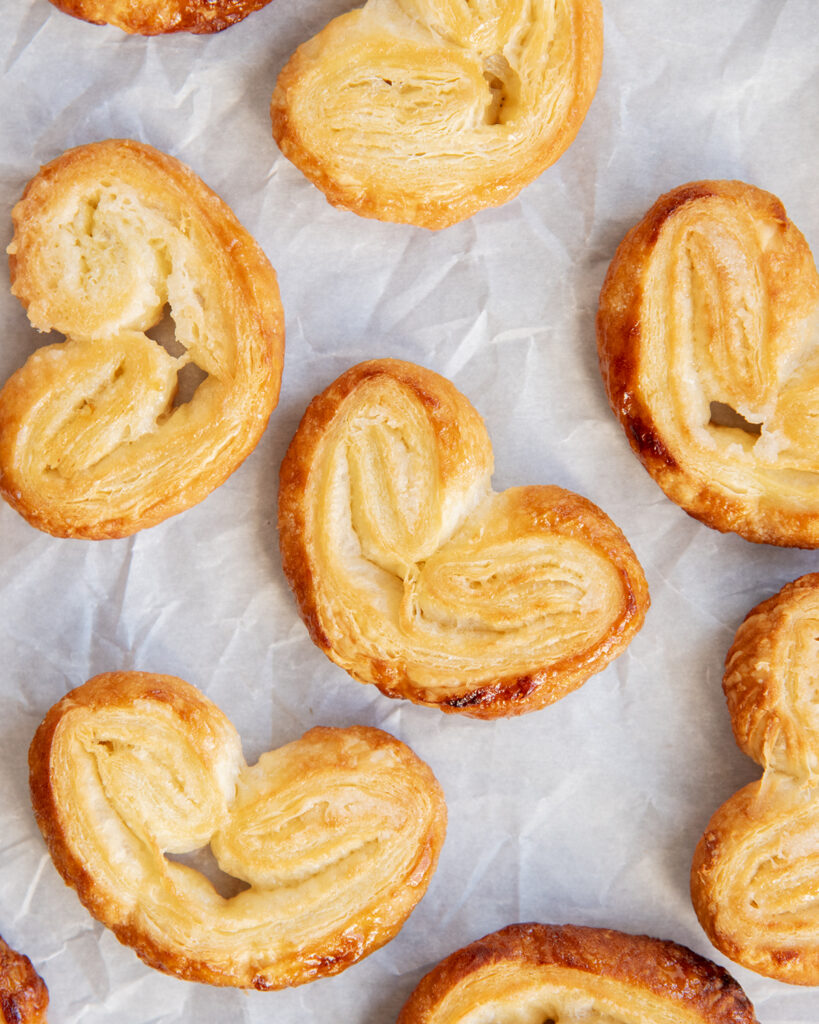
(23,993)
(152,17)
(412,574)
(425,111)
(708,344)
(754,875)
(547,974)
(336,835)
(91,443)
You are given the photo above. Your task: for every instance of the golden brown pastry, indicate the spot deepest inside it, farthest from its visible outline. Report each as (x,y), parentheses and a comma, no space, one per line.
(754,878)
(336,835)
(710,356)
(91,443)
(23,993)
(425,111)
(152,17)
(548,974)
(412,574)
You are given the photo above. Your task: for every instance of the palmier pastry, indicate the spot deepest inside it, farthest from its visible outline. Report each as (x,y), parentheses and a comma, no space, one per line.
(707,343)
(153,17)
(336,835)
(412,574)
(425,111)
(753,881)
(91,442)
(23,993)
(550,974)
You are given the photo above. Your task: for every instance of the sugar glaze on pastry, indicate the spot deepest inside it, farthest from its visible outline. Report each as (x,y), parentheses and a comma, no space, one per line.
(425,111)
(336,835)
(550,974)
(152,17)
(23,993)
(708,335)
(91,443)
(754,876)
(412,574)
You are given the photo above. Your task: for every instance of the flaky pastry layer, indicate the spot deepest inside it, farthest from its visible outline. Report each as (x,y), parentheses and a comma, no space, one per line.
(153,17)
(93,441)
(548,974)
(425,111)
(23,993)
(334,837)
(412,574)
(708,337)
(754,875)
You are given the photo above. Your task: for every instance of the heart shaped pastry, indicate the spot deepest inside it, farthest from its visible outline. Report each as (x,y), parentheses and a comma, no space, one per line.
(425,111)
(547,974)
(92,443)
(708,343)
(152,17)
(336,835)
(411,573)
(23,993)
(753,880)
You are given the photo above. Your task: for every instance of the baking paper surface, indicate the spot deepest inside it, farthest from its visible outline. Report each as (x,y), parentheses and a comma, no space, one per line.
(586,812)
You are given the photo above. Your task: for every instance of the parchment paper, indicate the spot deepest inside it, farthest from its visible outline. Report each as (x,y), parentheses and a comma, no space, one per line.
(585,812)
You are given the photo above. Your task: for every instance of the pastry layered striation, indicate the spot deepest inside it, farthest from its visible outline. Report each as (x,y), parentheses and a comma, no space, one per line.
(708,336)
(95,440)
(551,974)
(425,111)
(154,17)
(335,836)
(413,574)
(753,879)
(23,993)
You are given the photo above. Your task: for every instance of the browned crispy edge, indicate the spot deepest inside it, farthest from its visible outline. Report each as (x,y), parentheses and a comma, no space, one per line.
(437,214)
(619,342)
(663,968)
(291,969)
(198,16)
(23,993)
(566,513)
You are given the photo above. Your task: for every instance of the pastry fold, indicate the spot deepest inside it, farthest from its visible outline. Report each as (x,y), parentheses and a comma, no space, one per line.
(708,345)
(23,993)
(425,111)
(549,974)
(412,574)
(153,17)
(334,837)
(95,439)
(754,874)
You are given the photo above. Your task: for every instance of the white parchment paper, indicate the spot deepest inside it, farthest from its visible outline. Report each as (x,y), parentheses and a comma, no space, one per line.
(585,812)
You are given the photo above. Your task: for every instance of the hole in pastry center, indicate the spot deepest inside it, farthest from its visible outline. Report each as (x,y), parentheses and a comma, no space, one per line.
(205,863)
(500,78)
(723,415)
(188,377)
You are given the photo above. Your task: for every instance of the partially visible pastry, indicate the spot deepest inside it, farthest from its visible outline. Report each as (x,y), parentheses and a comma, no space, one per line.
(753,880)
(23,993)
(708,344)
(152,17)
(335,835)
(548,974)
(426,111)
(94,442)
(413,574)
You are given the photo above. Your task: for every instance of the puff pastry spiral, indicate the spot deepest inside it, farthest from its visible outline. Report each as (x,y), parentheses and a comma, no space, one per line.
(425,111)
(91,443)
(336,835)
(547,974)
(23,993)
(754,880)
(708,343)
(153,17)
(412,574)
